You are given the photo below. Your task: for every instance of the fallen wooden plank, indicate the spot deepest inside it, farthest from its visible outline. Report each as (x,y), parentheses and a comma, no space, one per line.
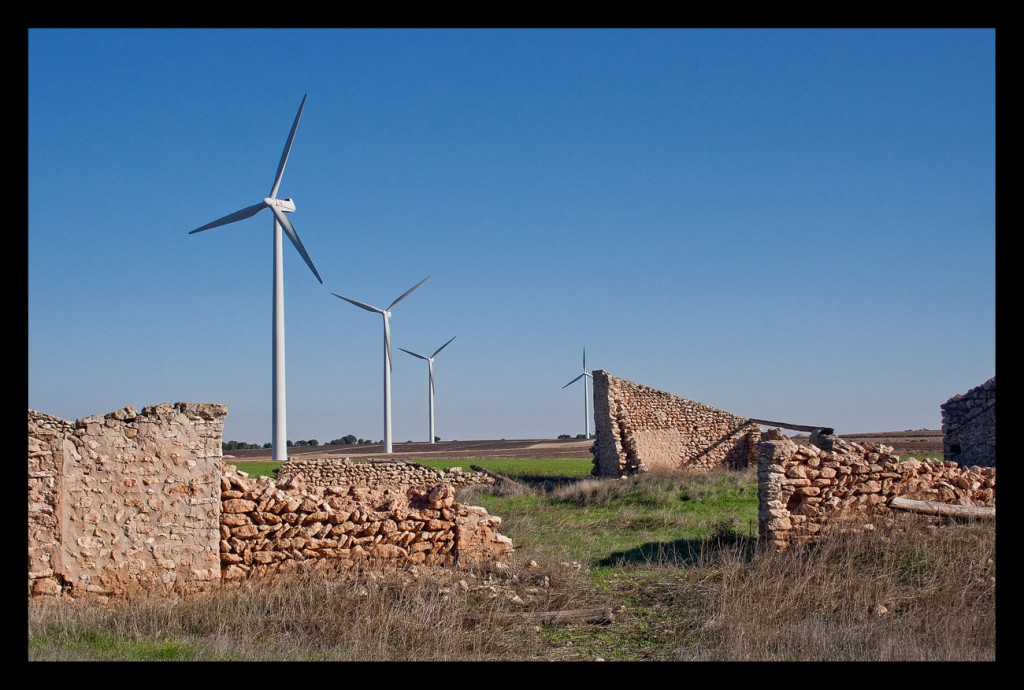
(601,616)
(795,427)
(943,509)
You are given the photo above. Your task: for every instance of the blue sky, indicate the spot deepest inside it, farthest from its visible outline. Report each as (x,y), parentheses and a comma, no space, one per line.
(787,224)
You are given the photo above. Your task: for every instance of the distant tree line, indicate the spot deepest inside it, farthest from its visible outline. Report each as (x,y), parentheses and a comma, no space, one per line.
(239,445)
(578,437)
(349,440)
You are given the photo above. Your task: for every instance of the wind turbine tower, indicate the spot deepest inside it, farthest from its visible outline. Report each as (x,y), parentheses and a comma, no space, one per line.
(278,207)
(430,369)
(386,313)
(585,375)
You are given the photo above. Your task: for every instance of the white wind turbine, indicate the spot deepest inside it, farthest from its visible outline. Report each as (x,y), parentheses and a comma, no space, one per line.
(386,313)
(278,207)
(430,369)
(585,375)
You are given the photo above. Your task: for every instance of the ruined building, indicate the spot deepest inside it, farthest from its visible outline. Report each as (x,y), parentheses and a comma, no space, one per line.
(141,500)
(969,426)
(639,429)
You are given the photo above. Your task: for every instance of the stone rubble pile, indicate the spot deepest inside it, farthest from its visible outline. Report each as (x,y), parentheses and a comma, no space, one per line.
(374,473)
(268,525)
(804,490)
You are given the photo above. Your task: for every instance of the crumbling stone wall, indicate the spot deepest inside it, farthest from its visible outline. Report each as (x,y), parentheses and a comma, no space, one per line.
(47,436)
(803,490)
(268,526)
(969,426)
(125,500)
(376,473)
(640,429)
(141,500)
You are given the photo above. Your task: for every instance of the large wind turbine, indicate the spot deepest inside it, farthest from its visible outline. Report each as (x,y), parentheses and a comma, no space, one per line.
(278,208)
(585,375)
(430,369)
(386,313)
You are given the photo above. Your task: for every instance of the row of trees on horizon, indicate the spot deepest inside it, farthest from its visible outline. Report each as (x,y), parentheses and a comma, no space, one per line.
(349,440)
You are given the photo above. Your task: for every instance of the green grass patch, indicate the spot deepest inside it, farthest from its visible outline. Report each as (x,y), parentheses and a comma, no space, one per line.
(101,645)
(527,469)
(258,468)
(607,522)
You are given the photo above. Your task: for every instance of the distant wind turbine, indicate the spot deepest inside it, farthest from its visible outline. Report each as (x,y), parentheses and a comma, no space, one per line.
(430,369)
(585,375)
(386,313)
(278,208)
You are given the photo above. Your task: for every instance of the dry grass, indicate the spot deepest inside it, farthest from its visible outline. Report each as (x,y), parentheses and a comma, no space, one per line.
(422,614)
(914,592)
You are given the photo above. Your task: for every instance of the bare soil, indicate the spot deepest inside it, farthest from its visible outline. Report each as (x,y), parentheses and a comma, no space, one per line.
(904,442)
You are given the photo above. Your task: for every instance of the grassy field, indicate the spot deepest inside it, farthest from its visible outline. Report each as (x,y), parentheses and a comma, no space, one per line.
(673,558)
(521,469)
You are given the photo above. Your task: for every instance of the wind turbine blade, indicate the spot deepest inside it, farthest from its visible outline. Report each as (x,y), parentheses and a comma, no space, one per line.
(367,307)
(413,353)
(287,150)
(442,347)
(573,381)
(247,212)
(294,237)
(407,293)
(387,342)
(584,359)
(431,375)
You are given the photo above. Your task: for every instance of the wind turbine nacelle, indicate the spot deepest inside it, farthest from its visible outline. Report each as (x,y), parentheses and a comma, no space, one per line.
(286,205)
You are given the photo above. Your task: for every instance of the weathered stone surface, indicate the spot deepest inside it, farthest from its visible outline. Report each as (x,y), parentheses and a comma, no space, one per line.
(801,493)
(969,426)
(151,477)
(639,429)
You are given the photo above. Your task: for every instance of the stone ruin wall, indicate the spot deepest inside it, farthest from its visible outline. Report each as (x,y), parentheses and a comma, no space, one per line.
(969,426)
(47,436)
(125,501)
(129,501)
(374,473)
(272,525)
(803,491)
(640,429)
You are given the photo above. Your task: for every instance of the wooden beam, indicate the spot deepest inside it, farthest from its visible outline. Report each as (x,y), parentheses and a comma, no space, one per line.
(943,509)
(600,616)
(795,427)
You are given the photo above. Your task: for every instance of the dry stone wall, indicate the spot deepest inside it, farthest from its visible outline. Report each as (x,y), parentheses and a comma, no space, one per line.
(268,526)
(125,501)
(803,491)
(969,426)
(376,473)
(47,436)
(640,429)
(132,501)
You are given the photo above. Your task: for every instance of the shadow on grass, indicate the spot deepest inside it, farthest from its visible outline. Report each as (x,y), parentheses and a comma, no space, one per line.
(552,481)
(682,551)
